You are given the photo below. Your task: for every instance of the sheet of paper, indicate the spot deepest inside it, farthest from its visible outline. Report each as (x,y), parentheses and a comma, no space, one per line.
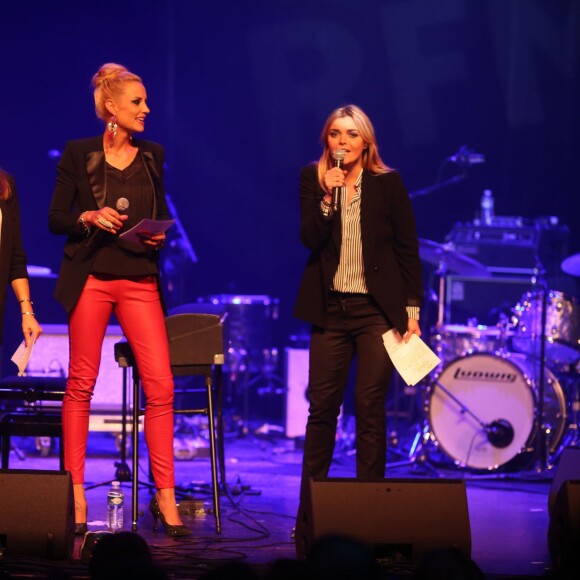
(413,360)
(21,357)
(145,228)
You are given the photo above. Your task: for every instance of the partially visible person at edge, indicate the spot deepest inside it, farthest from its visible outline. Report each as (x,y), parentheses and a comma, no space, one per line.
(363,278)
(13,260)
(101,274)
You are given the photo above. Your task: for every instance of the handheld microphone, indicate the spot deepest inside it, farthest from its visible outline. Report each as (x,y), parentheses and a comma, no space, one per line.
(121,205)
(338,155)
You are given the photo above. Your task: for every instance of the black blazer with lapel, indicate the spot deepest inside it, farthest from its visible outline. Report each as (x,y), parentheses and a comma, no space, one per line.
(12,255)
(390,248)
(81,186)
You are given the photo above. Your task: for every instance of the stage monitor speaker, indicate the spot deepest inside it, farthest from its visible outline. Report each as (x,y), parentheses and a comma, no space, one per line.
(564,528)
(568,468)
(401,519)
(36,513)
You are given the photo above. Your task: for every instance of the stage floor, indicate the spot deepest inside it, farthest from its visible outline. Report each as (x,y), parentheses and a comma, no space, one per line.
(508,512)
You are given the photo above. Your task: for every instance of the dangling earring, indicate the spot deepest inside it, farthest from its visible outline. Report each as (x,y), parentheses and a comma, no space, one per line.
(111,130)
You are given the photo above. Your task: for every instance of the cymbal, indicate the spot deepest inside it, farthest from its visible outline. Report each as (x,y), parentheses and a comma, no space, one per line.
(449,259)
(571,265)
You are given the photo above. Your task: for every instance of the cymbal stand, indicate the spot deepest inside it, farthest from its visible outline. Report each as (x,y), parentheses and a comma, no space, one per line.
(123,472)
(541,443)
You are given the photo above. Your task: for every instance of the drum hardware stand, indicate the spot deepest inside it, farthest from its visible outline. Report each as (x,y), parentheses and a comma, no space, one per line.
(416,456)
(541,442)
(123,472)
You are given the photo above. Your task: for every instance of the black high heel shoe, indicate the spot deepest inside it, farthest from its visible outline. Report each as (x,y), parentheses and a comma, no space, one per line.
(172,531)
(81,529)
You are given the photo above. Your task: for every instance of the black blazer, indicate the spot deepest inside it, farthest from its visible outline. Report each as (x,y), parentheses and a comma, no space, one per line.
(12,255)
(390,248)
(81,186)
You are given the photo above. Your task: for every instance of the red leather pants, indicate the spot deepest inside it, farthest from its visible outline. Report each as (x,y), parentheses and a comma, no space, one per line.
(138,309)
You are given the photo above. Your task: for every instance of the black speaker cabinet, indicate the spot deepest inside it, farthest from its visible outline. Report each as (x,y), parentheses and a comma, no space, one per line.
(36,513)
(468,297)
(564,528)
(401,519)
(568,468)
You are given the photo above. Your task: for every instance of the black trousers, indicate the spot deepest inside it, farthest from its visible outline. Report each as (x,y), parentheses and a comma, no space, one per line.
(355,326)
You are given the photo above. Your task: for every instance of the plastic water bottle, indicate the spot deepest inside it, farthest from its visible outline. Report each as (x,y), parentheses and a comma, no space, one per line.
(115,500)
(487,204)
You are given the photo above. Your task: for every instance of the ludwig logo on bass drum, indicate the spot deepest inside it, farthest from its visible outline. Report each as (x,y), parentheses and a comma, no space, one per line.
(476,375)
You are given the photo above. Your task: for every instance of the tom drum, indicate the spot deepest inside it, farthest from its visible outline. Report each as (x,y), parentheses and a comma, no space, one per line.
(562,328)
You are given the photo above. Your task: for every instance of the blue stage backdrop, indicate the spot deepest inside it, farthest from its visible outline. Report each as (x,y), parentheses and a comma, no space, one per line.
(239,91)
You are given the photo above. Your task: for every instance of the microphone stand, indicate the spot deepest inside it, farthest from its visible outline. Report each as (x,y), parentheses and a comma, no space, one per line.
(438,185)
(541,443)
(185,245)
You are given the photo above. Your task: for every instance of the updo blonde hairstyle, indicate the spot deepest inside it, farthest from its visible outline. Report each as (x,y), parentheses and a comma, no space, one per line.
(108,84)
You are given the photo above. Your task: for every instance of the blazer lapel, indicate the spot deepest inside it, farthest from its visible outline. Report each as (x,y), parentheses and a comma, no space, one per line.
(368,217)
(153,173)
(95,164)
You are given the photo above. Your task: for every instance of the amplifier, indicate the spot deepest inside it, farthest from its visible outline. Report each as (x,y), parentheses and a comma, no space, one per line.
(513,249)
(482,298)
(296,397)
(50,357)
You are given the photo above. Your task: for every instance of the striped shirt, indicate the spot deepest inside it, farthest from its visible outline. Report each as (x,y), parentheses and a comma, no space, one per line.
(350,274)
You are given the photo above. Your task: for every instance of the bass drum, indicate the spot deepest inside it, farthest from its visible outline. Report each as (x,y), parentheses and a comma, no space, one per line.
(495,389)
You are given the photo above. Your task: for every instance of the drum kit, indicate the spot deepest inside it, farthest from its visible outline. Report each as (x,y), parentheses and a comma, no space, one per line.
(251,379)
(505,395)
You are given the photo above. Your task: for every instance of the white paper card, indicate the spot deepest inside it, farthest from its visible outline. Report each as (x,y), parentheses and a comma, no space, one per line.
(413,360)
(21,356)
(146,228)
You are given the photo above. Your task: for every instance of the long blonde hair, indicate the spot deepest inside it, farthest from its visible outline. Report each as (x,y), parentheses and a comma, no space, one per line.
(108,83)
(371,159)
(5,191)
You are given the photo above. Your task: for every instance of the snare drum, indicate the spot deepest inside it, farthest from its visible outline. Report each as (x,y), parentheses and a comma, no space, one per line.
(494,389)
(456,340)
(562,329)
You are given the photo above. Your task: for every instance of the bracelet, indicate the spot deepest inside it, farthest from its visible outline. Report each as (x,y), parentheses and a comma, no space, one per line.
(326,209)
(31,313)
(82,222)
(25,300)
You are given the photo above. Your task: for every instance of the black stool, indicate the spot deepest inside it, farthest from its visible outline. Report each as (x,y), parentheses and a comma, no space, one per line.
(32,420)
(195,348)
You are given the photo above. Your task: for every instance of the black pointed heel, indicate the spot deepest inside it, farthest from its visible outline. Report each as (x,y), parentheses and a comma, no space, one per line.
(81,528)
(172,531)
